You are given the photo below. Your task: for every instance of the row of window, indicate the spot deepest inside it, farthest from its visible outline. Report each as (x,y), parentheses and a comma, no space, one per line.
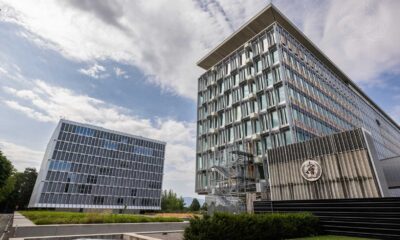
(126,175)
(305,72)
(269,121)
(89,132)
(101,179)
(313,92)
(238,59)
(317,111)
(238,112)
(51,198)
(105,158)
(154,165)
(260,101)
(57,187)
(84,144)
(303,61)
(230,83)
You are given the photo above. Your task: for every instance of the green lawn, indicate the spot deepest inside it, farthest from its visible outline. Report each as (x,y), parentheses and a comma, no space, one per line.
(331,237)
(52,217)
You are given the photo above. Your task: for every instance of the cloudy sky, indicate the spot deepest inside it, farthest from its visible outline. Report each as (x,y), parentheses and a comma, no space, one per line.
(130,65)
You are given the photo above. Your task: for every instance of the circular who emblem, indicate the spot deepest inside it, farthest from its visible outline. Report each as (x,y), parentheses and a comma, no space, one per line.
(311,170)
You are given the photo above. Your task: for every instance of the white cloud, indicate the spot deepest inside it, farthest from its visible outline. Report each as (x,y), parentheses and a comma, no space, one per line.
(46,103)
(166,38)
(21,156)
(94,71)
(361,37)
(119,72)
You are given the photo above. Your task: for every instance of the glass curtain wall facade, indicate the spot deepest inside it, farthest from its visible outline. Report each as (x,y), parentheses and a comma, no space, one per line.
(273,90)
(89,167)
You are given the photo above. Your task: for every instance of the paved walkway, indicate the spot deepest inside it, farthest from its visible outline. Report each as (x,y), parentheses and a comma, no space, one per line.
(21,221)
(4,221)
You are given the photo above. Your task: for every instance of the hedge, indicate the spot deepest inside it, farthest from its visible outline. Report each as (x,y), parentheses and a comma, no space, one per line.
(252,226)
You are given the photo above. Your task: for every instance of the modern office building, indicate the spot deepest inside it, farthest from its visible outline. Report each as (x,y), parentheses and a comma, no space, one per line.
(89,167)
(266,86)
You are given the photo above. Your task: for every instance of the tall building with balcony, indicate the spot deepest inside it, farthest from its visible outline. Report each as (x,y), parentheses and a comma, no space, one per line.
(89,167)
(266,86)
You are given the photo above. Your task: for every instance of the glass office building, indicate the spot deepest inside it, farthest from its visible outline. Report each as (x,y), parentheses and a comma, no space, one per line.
(268,85)
(89,167)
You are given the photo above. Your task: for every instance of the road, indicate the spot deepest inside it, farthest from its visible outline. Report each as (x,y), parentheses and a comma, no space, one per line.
(4,221)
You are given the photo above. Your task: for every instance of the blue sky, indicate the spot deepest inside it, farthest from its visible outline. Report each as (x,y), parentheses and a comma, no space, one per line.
(131,66)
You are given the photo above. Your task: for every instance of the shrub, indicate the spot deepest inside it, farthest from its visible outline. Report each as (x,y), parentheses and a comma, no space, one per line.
(252,227)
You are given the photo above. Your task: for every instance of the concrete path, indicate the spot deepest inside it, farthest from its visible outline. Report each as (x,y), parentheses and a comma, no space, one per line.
(4,222)
(21,221)
(104,228)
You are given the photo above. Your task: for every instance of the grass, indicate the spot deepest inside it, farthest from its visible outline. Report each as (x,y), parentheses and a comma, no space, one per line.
(331,237)
(50,217)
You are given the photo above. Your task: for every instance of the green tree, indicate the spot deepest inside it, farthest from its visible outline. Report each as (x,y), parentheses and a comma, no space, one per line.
(195,206)
(6,191)
(6,169)
(25,181)
(18,191)
(170,202)
(204,207)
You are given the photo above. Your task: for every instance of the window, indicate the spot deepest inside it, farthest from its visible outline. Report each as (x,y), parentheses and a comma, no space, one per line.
(92,179)
(238,131)
(270,81)
(271,98)
(260,83)
(262,101)
(277,75)
(271,38)
(264,122)
(267,142)
(256,125)
(245,90)
(280,94)
(274,56)
(287,137)
(247,128)
(228,99)
(258,65)
(265,43)
(258,148)
(237,113)
(283,116)
(98,200)
(221,119)
(274,119)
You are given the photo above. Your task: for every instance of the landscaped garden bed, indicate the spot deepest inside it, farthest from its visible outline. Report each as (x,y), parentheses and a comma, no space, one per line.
(52,217)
